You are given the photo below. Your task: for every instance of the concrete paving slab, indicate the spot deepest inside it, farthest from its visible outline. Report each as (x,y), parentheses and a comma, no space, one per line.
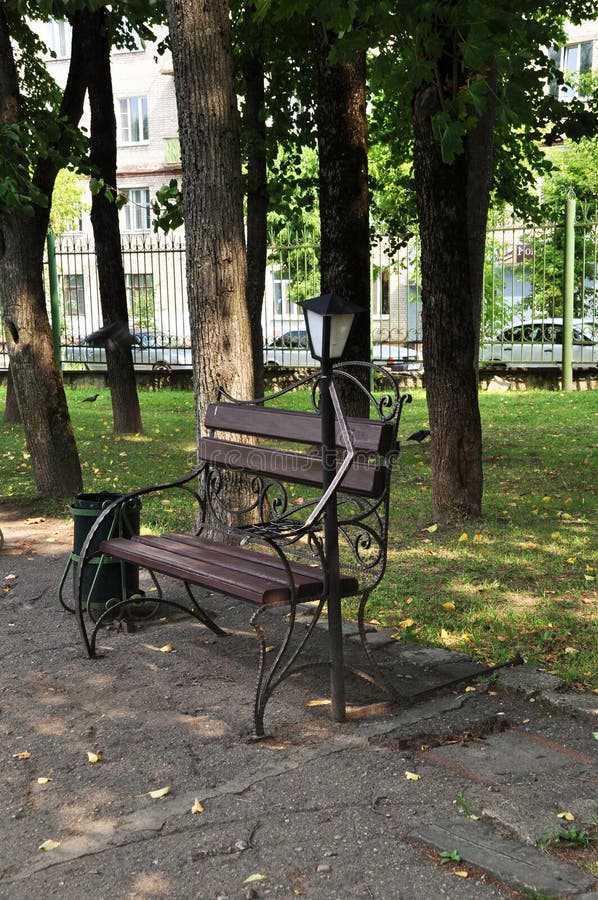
(480,844)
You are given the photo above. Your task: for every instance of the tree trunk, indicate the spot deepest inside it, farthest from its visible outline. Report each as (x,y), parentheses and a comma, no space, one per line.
(344,197)
(450,242)
(257,204)
(213,200)
(12,416)
(126,413)
(42,402)
(38,384)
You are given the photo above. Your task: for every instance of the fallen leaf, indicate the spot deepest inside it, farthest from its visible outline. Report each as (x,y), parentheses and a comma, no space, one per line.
(93,757)
(567,816)
(167,648)
(461,873)
(449,606)
(160,792)
(24,754)
(432,529)
(412,776)
(257,877)
(407,623)
(49,845)
(571,650)
(36,520)
(571,560)
(43,779)
(479,538)
(462,538)
(470,689)
(197,807)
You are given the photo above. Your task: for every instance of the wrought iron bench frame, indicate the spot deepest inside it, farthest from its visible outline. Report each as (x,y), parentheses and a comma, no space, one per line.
(290,566)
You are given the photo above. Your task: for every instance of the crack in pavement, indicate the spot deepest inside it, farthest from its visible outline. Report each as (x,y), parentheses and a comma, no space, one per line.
(147,824)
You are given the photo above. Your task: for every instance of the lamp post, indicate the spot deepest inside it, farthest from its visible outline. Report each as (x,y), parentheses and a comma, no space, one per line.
(328,321)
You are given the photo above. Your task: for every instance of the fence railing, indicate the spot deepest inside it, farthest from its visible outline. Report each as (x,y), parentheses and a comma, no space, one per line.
(527,317)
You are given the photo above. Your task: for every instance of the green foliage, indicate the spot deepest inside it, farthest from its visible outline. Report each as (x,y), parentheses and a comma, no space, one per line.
(167,207)
(574,172)
(68,202)
(447,856)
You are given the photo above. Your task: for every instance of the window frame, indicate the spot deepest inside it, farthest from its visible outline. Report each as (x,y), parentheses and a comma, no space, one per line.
(136,207)
(141,121)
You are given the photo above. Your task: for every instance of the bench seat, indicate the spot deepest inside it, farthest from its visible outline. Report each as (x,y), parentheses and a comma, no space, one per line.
(259,578)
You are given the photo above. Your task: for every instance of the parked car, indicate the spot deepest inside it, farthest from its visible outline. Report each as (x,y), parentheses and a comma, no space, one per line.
(150,351)
(397,357)
(539,343)
(291,349)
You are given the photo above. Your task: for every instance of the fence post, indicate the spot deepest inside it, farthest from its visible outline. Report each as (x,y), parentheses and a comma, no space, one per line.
(568,286)
(54,304)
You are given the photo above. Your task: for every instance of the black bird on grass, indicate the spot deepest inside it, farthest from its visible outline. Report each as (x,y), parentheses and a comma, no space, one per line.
(111,335)
(420,435)
(91,399)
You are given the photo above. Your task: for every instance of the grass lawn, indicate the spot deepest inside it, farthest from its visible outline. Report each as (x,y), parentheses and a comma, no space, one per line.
(522,579)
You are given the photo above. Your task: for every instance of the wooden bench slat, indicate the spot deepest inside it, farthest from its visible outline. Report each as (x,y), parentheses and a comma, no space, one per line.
(228,557)
(212,567)
(196,543)
(367,435)
(366,479)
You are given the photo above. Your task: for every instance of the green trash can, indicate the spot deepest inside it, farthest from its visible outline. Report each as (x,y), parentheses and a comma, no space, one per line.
(105,579)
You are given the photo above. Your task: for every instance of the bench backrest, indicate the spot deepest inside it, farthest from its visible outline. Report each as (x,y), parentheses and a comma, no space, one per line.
(286,448)
(370,438)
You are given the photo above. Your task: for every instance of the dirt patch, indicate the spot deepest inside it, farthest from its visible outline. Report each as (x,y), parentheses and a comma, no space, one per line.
(25,531)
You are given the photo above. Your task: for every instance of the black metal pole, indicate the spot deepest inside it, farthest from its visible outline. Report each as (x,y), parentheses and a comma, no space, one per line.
(335,621)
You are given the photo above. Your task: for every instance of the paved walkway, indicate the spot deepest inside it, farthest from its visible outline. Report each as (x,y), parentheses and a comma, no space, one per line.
(363,809)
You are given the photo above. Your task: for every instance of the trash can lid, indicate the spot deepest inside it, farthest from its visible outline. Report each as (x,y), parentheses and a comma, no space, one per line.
(94,501)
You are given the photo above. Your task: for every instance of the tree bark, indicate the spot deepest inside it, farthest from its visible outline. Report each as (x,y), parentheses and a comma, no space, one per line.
(212,199)
(344,197)
(12,416)
(257,202)
(42,402)
(450,234)
(126,413)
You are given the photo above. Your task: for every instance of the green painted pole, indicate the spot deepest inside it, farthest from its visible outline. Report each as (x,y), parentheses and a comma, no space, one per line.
(54,304)
(568,288)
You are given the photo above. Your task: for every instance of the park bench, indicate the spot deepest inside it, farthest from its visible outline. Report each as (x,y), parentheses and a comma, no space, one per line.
(261,509)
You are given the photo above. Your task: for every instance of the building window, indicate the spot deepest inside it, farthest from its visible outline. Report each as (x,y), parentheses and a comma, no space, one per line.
(136,212)
(58,39)
(575,61)
(381,294)
(73,295)
(172,151)
(141,300)
(133,127)
(280,294)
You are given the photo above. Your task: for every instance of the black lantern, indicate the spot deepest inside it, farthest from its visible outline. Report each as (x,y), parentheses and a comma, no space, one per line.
(328,320)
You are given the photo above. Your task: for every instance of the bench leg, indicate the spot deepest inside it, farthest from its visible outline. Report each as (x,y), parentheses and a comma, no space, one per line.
(201,614)
(381,678)
(283,665)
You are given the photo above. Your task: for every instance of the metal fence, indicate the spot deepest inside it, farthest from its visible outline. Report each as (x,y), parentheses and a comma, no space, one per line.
(540,291)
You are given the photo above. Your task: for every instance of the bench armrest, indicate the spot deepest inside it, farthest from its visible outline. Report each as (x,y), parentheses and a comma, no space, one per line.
(126,498)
